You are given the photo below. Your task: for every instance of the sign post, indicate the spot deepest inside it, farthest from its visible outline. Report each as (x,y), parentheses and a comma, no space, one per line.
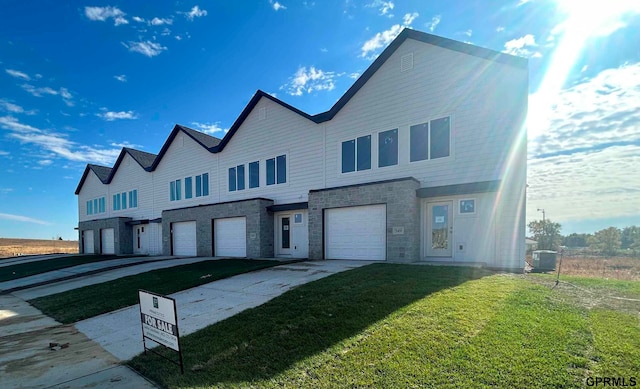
(159,319)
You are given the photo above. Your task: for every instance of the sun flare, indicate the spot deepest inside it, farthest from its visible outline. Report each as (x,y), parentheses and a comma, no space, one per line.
(583,20)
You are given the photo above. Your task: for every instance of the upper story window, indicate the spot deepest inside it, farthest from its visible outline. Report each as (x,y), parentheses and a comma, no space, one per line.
(430,140)
(236,178)
(96,206)
(277,170)
(202,185)
(254,174)
(188,187)
(356,154)
(388,148)
(120,200)
(175,190)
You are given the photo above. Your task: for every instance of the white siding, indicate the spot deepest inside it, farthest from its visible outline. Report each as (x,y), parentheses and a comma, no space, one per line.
(92,188)
(184,158)
(131,175)
(281,132)
(471,90)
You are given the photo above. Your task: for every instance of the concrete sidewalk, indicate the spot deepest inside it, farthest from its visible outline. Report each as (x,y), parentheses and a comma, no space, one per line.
(110,275)
(120,332)
(75,272)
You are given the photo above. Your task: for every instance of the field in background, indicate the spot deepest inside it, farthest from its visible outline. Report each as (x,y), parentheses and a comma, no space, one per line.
(619,268)
(10,247)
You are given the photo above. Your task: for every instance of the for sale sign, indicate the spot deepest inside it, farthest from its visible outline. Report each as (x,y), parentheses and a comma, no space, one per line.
(159,323)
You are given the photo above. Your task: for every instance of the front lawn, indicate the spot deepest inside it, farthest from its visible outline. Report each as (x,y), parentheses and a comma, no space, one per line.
(21,270)
(399,326)
(93,300)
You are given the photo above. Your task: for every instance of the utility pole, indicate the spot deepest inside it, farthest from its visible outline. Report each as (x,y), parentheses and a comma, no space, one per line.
(544,229)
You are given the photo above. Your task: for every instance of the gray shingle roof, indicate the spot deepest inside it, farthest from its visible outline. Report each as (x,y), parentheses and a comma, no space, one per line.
(143,158)
(102,172)
(207,141)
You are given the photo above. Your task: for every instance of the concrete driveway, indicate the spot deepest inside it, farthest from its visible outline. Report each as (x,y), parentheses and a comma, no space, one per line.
(98,345)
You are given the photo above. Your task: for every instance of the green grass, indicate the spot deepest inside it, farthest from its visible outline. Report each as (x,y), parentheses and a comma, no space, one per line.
(78,304)
(13,272)
(619,287)
(399,326)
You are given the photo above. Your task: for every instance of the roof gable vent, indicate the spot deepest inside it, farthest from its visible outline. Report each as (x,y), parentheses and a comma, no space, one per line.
(406,62)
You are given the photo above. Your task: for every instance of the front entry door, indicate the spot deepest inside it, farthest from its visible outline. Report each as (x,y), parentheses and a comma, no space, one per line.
(284,244)
(439,229)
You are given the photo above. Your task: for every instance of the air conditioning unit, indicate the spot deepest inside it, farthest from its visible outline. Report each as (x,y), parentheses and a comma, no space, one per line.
(544,260)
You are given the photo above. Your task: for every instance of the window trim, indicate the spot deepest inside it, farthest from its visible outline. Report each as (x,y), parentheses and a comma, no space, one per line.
(275,170)
(372,163)
(475,206)
(429,120)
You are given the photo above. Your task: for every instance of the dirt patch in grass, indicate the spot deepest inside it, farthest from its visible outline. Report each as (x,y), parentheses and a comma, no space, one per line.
(10,247)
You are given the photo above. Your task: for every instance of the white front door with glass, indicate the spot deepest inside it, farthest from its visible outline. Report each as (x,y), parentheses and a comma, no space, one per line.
(284,226)
(439,229)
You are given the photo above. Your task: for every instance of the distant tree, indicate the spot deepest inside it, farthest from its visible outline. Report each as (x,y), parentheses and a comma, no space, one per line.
(546,233)
(576,240)
(630,238)
(607,241)
(59,238)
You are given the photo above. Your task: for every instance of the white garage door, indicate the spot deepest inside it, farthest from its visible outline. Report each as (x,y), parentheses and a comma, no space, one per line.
(230,237)
(88,242)
(108,242)
(184,238)
(356,233)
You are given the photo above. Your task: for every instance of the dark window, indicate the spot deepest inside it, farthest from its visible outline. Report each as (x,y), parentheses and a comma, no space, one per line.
(271,171)
(205,184)
(254,174)
(188,187)
(419,138)
(364,152)
(439,138)
(388,148)
(198,186)
(348,156)
(285,233)
(282,169)
(232,179)
(240,172)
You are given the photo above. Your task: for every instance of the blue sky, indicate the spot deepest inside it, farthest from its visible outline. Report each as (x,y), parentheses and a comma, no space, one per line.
(80,80)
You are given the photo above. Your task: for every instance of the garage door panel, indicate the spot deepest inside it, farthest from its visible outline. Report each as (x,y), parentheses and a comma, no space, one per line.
(230,237)
(108,241)
(88,242)
(356,233)
(184,238)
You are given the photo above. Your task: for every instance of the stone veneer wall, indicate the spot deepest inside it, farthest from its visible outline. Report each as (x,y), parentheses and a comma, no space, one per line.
(259,225)
(122,234)
(403,211)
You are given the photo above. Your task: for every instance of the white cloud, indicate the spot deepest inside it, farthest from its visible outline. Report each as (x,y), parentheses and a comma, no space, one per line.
(210,128)
(584,162)
(138,19)
(276,5)
(18,74)
(121,78)
(64,93)
(383,38)
(57,143)
(148,48)
(500,29)
(4,153)
(383,6)
(45,162)
(354,75)
(309,81)
(195,12)
(10,107)
(409,18)
(434,22)
(126,144)
(101,14)
(160,21)
(20,218)
(522,47)
(111,115)
(39,92)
